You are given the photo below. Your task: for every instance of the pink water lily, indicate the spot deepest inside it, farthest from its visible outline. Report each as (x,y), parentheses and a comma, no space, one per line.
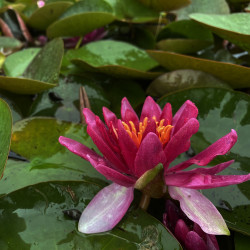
(131,146)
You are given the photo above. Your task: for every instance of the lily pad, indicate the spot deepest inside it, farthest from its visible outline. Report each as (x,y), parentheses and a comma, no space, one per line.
(114,58)
(9,43)
(36,139)
(49,13)
(241,242)
(26,219)
(235,75)
(182,79)
(230,27)
(16,63)
(82,18)
(163,5)
(204,6)
(63,101)
(221,110)
(5,134)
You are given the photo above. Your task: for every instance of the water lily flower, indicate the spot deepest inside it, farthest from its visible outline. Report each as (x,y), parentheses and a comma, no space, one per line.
(131,147)
(188,233)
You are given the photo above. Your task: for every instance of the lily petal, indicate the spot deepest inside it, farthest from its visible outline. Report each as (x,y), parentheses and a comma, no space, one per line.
(167,114)
(106,209)
(180,142)
(187,111)
(194,241)
(79,149)
(109,117)
(220,147)
(200,210)
(181,231)
(149,154)
(128,113)
(203,181)
(115,176)
(150,109)
(127,146)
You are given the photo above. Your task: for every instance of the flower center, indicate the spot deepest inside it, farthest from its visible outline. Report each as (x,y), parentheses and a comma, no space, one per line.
(163,131)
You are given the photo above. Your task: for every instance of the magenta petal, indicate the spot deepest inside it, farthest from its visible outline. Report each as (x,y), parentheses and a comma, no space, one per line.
(211,170)
(180,142)
(200,210)
(203,181)
(194,241)
(220,147)
(109,117)
(115,176)
(128,113)
(79,149)
(106,209)
(150,109)
(149,154)
(212,243)
(167,114)
(181,230)
(187,111)
(127,146)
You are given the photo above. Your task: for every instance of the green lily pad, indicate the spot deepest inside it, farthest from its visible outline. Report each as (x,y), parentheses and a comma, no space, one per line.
(132,11)
(235,75)
(5,134)
(241,242)
(46,15)
(25,221)
(230,27)
(221,110)
(63,101)
(16,63)
(41,74)
(9,43)
(114,58)
(36,139)
(163,5)
(82,18)
(182,79)
(206,6)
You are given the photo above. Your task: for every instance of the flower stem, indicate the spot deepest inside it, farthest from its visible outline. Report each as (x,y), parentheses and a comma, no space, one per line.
(145,200)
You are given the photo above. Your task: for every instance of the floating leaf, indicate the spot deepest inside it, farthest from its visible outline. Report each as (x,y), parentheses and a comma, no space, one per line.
(16,63)
(221,110)
(25,220)
(9,43)
(114,58)
(235,75)
(241,242)
(182,79)
(204,6)
(230,27)
(49,13)
(163,5)
(5,134)
(82,18)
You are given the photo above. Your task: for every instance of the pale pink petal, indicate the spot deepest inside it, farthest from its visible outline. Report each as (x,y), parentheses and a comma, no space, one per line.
(220,147)
(115,176)
(150,109)
(187,111)
(106,209)
(167,114)
(149,154)
(180,142)
(203,181)
(127,146)
(194,241)
(79,149)
(128,113)
(200,210)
